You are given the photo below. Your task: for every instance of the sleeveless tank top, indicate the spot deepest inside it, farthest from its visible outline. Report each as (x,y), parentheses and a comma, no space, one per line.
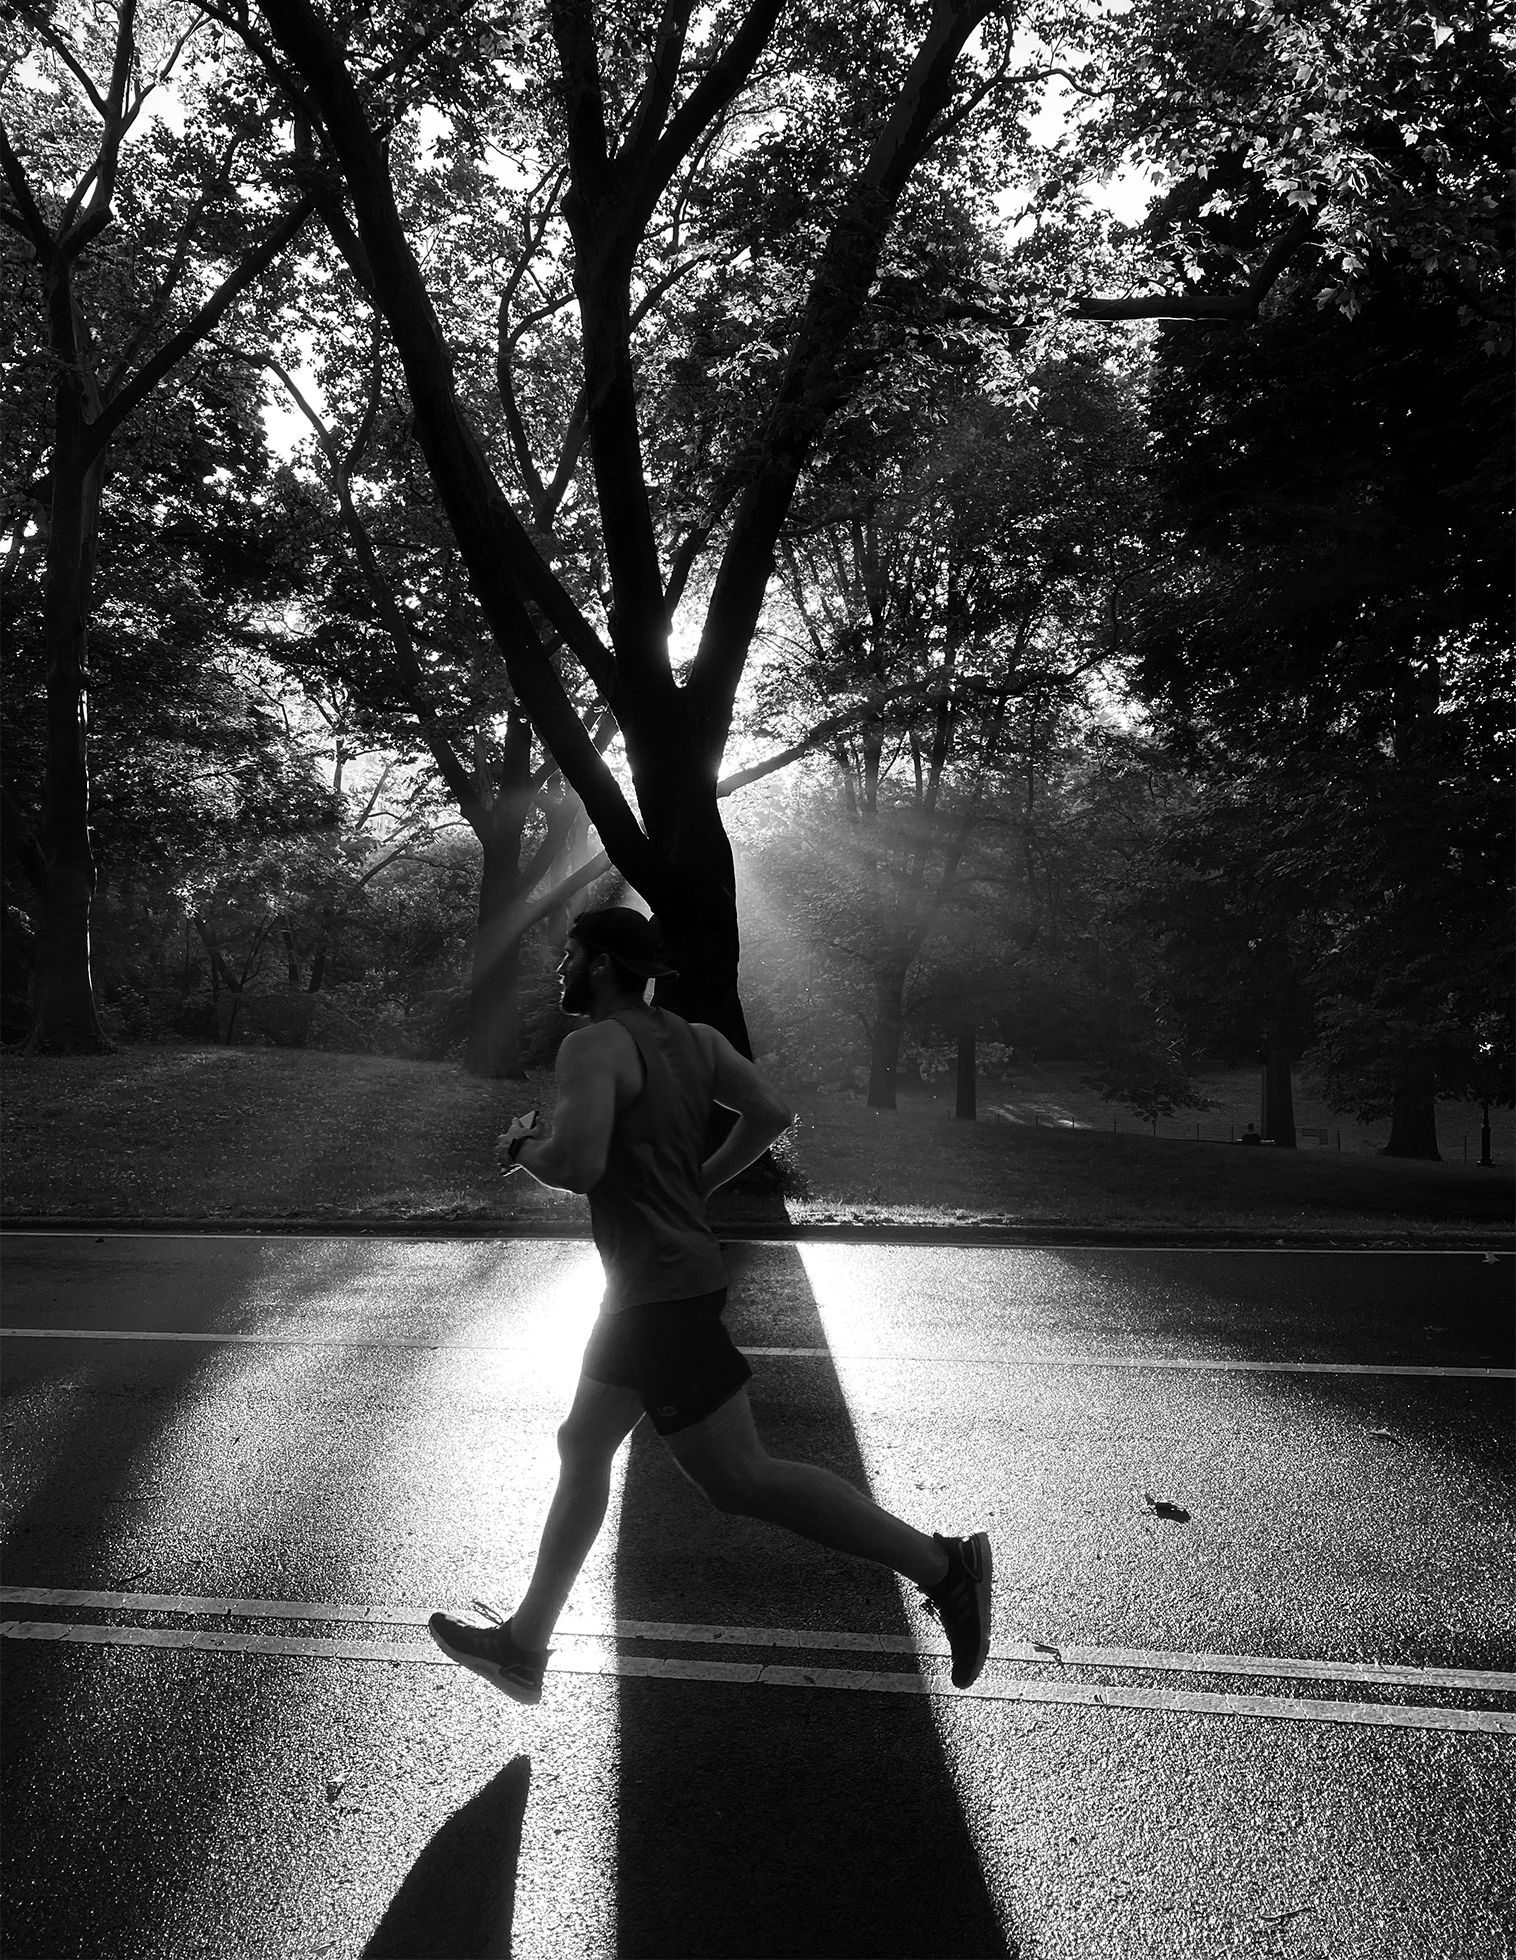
(647,1212)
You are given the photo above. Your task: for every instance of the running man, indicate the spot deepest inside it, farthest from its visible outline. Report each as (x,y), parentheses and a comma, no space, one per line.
(635,1089)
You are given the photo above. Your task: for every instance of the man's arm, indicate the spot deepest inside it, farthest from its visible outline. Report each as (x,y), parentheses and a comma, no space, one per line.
(762,1114)
(572,1156)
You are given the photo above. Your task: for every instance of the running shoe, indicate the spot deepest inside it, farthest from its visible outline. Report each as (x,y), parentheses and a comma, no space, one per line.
(491,1652)
(961,1602)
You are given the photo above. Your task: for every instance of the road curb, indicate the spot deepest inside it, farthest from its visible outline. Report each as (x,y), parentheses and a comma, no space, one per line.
(1139,1238)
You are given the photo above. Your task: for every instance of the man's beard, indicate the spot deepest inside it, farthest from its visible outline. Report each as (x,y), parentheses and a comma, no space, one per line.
(578,995)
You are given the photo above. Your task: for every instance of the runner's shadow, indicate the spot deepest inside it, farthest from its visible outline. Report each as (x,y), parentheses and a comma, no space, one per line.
(777,1821)
(458,1900)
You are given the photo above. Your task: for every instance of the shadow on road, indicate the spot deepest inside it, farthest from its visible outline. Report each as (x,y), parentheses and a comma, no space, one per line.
(117,1766)
(767,1821)
(458,1899)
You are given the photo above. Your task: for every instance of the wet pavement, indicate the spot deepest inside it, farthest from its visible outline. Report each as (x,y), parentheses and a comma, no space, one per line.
(1253,1526)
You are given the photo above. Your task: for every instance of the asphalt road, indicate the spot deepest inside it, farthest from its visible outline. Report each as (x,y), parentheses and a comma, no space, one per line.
(1254,1535)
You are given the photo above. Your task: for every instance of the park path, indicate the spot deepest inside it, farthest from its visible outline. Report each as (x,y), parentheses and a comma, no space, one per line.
(1251,1689)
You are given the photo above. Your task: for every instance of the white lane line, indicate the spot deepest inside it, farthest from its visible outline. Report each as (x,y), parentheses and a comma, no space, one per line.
(248,1340)
(1221,1366)
(591,1627)
(380,1233)
(1388,1715)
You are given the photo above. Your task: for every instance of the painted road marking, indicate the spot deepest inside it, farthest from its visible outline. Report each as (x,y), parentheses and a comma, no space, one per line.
(592,1627)
(1221,1366)
(1390,1715)
(384,1232)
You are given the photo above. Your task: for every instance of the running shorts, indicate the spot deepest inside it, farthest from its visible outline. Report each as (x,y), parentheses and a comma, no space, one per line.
(675,1353)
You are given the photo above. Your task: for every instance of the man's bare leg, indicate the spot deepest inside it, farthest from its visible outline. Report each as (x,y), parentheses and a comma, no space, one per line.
(596,1426)
(724,1455)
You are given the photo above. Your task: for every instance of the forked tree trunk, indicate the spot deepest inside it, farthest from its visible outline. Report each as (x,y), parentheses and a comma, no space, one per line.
(607,204)
(1413,1117)
(968,1100)
(1278,1098)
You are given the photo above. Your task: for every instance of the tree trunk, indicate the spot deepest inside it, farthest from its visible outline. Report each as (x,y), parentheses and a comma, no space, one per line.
(699,926)
(1413,1117)
(968,1104)
(1278,1098)
(65,1021)
(884,1056)
(494,1001)
(291,957)
(323,945)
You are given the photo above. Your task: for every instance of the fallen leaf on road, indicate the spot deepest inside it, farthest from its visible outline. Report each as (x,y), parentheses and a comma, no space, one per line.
(1041,1647)
(1161,1508)
(1390,1437)
(1278,1918)
(335,1785)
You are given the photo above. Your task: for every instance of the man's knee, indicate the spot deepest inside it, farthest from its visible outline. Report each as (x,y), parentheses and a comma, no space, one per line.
(580,1446)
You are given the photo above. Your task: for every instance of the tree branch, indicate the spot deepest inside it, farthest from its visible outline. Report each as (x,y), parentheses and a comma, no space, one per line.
(412,678)
(371,405)
(559,824)
(543,514)
(490,538)
(521,447)
(72,237)
(200,324)
(29,220)
(658,87)
(573,28)
(172,276)
(931,692)
(812,382)
(1191,304)
(714,92)
(565,889)
(41,26)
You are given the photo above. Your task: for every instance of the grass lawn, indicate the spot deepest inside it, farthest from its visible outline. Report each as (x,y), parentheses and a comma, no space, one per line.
(919,1164)
(195,1131)
(189,1131)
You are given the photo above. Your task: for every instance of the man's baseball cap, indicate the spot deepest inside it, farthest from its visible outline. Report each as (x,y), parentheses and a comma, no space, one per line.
(628,937)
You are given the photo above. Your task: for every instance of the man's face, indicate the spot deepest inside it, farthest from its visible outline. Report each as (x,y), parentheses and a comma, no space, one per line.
(574,989)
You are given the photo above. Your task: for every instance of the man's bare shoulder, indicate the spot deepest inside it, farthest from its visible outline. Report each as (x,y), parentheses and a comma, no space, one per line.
(597,1045)
(594,1037)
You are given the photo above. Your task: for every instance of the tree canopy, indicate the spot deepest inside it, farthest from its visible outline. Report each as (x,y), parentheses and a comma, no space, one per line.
(672,375)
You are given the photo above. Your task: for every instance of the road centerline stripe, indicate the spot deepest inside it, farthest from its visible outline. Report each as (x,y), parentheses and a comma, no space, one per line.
(991,1688)
(597,1628)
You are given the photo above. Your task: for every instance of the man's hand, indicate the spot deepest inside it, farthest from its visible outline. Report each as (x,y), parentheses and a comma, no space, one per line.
(509,1142)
